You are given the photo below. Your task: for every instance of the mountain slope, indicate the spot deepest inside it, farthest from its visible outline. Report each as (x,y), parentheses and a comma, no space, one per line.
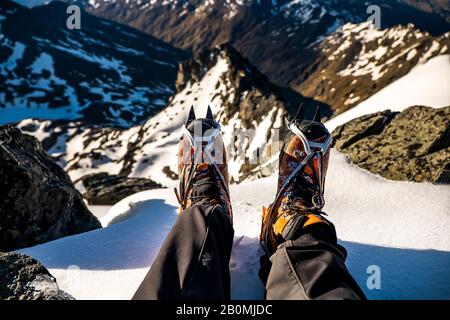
(413,257)
(150,150)
(273,35)
(357,61)
(249,107)
(308,45)
(425,85)
(104,73)
(441,7)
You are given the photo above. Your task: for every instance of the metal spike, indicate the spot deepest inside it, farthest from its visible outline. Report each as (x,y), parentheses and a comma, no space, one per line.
(316,117)
(209,114)
(299,116)
(191,116)
(287,123)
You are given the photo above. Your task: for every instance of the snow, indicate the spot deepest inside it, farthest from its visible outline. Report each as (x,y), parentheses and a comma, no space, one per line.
(43,283)
(301,10)
(129,50)
(43,62)
(39,131)
(426,85)
(99,210)
(433,48)
(411,54)
(351,100)
(114,147)
(129,101)
(105,63)
(376,62)
(163,131)
(380,222)
(203,90)
(259,140)
(22,107)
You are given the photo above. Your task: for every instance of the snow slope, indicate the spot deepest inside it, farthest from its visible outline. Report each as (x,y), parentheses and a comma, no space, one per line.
(427,84)
(402,227)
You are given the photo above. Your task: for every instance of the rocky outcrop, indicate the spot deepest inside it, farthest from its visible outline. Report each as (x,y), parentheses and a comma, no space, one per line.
(411,145)
(38,201)
(104,189)
(24,278)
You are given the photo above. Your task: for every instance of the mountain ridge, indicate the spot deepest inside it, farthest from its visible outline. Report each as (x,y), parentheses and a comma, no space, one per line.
(243,100)
(104,73)
(273,35)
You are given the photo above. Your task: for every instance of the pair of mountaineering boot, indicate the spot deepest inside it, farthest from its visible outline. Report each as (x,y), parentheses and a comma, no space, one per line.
(303,163)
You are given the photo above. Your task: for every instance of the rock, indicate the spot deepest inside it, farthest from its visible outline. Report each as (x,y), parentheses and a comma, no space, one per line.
(104,189)
(362,127)
(38,201)
(412,145)
(24,278)
(168,172)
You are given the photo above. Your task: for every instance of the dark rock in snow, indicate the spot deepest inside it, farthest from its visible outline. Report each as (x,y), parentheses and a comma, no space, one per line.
(23,278)
(38,201)
(411,145)
(104,189)
(172,175)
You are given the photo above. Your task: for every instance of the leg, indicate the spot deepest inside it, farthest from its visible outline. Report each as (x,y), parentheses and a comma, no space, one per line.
(304,260)
(193,261)
(311,266)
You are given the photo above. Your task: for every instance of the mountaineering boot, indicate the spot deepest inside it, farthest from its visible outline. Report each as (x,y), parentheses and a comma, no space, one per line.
(303,165)
(202,164)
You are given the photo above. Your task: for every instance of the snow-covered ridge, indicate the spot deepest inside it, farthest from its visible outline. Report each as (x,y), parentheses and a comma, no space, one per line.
(425,85)
(103,74)
(358,60)
(143,151)
(278,37)
(393,43)
(252,114)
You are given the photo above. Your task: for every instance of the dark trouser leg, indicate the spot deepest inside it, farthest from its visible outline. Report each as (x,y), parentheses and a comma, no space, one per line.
(311,266)
(193,261)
